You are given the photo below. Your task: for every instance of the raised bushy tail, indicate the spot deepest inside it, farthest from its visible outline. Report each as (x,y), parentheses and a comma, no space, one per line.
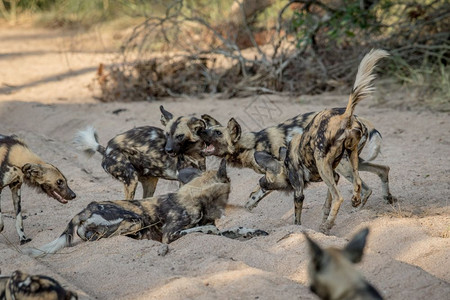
(64,240)
(363,82)
(87,141)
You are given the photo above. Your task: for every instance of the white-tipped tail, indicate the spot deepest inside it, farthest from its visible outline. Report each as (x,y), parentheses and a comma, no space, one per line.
(49,248)
(87,141)
(363,82)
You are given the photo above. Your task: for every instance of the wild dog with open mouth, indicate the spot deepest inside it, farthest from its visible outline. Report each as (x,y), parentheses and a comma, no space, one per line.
(239,150)
(19,165)
(142,154)
(182,137)
(21,286)
(194,208)
(314,154)
(332,274)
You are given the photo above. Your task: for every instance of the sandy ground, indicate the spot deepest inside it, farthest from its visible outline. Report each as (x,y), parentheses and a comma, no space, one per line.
(44,98)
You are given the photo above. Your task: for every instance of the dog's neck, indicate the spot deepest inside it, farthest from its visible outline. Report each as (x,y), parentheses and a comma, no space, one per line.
(242,155)
(21,155)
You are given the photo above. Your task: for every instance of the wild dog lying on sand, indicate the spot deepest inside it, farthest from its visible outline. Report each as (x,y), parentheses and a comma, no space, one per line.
(21,286)
(165,218)
(141,154)
(239,149)
(313,155)
(332,275)
(18,165)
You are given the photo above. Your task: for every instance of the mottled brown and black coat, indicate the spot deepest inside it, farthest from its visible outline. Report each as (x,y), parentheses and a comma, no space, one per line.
(21,286)
(313,155)
(18,165)
(239,150)
(141,154)
(163,218)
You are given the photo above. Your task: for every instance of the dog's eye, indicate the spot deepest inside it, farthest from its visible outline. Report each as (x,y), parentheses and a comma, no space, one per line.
(218,133)
(180,137)
(60,182)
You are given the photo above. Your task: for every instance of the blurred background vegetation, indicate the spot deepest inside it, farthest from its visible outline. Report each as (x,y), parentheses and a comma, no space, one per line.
(243,47)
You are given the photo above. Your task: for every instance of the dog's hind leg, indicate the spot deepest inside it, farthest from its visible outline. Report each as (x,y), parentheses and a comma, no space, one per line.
(345,169)
(383,173)
(255,197)
(327,205)
(15,191)
(149,186)
(354,159)
(332,206)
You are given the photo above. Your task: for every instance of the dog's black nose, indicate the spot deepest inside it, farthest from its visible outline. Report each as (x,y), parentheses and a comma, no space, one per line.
(72,195)
(169,150)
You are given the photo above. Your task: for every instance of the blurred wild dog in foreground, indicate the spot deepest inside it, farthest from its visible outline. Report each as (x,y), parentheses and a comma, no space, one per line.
(313,155)
(332,274)
(145,154)
(21,286)
(18,165)
(165,218)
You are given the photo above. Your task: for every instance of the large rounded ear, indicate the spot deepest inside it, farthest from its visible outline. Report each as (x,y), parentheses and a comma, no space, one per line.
(196,125)
(222,171)
(32,171)
(317,254)
(187,174)
(355,248)
(235,130)
(267,161)
(210,121)
(165,116)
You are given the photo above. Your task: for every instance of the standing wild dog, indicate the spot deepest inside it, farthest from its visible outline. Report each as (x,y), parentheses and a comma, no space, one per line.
(165,218)
(142,153)
(239,150)
(21,286)
(18,165)
(332,274)
(313,155)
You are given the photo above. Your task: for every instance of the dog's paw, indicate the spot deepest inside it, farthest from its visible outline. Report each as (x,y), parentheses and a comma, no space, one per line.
(250,206)
(390,199)
(24,241)
(356,201)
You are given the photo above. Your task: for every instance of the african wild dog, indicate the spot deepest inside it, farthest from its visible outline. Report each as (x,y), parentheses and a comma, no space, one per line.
(182,136)
(239,149)
(19,165)
(313,155)
(165,218)
(142,153)
(21,286)
(332,274)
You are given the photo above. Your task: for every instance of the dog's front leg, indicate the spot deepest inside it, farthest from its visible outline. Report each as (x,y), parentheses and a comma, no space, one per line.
(149,186)
(255,197)
(15,191)
(242,232)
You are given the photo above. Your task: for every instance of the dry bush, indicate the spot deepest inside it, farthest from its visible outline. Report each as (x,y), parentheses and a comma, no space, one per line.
(314,46)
